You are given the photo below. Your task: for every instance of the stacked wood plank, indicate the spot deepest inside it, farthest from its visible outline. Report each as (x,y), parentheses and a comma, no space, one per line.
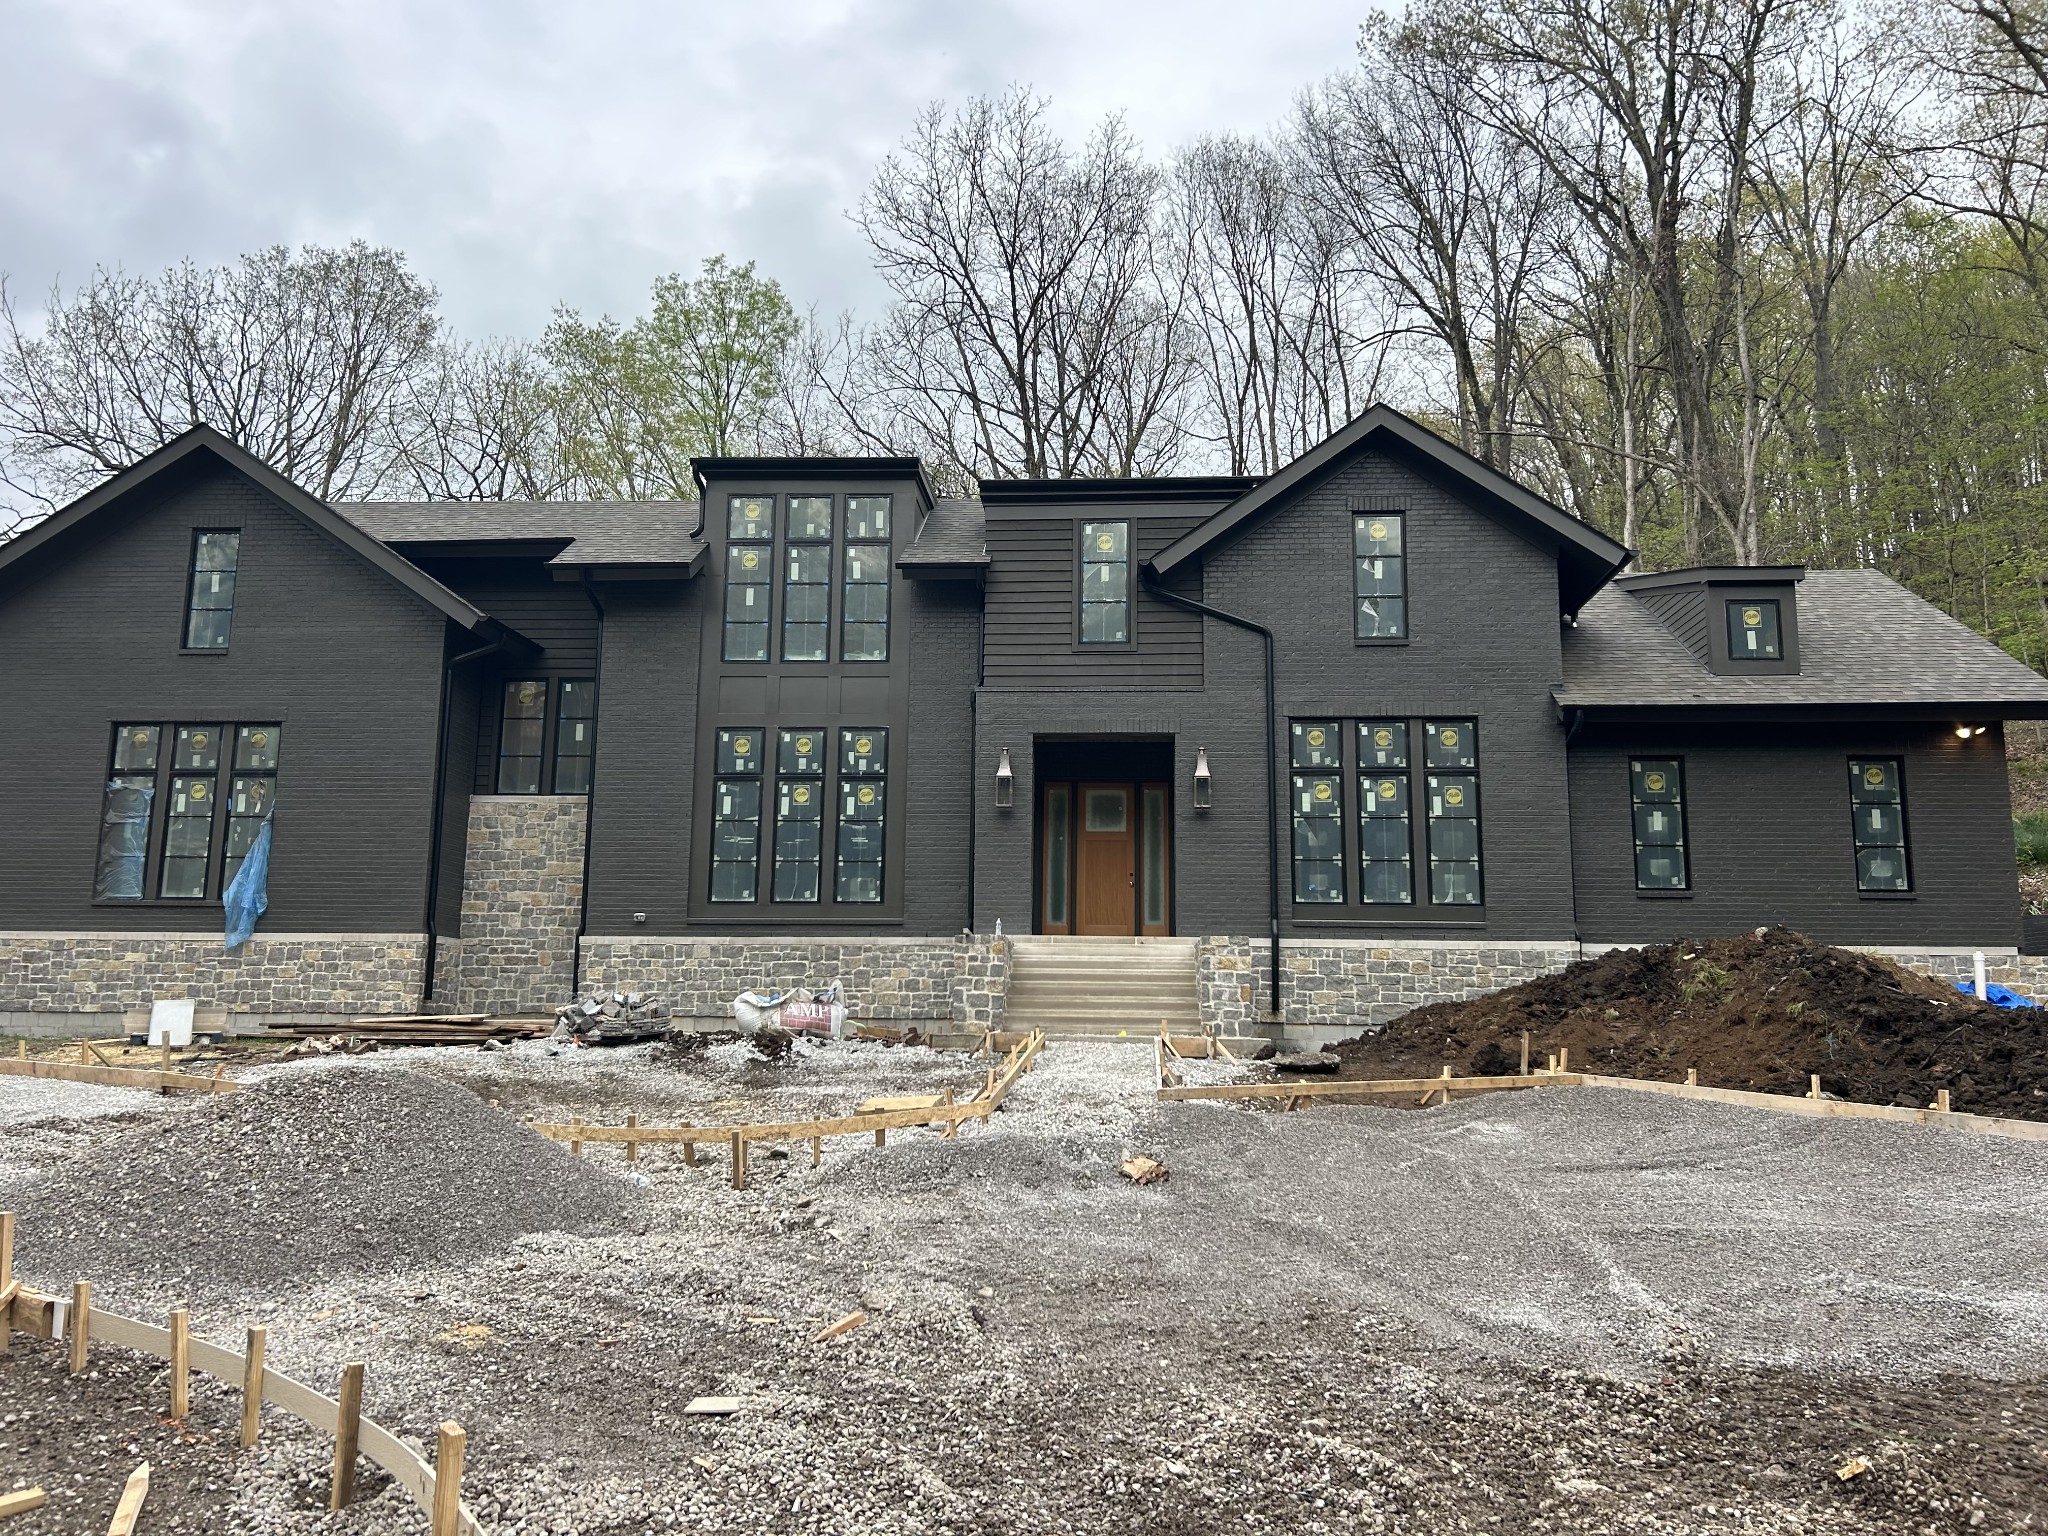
(420,1029)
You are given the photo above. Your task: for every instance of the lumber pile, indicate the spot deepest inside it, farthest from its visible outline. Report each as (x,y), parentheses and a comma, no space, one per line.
(357,1035)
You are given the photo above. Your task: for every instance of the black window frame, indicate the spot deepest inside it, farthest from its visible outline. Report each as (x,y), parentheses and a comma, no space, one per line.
(800,776)
(1361,523)
(1082,602)
(860,771)
(1731,612)
(561,745)
(736,765)
(155,784)
(1371,780)
(192,608)
(539,755)
(812,544)
(1858,767)
(763,549)
(866,551)
(1640,768)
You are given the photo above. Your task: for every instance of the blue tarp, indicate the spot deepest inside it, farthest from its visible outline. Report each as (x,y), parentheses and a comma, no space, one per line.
(248,894)
(1997,996)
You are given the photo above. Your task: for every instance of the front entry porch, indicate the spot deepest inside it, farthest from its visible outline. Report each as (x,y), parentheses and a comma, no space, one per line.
(1104,837)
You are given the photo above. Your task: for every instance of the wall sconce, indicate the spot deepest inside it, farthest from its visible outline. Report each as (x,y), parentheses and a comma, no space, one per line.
(1006,782)
(1967,731)
(1201,778)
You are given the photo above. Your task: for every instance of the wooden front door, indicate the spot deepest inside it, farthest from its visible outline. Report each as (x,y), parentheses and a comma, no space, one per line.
(1105,860)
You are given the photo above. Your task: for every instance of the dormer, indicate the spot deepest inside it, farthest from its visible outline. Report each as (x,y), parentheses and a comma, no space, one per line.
(1737,620)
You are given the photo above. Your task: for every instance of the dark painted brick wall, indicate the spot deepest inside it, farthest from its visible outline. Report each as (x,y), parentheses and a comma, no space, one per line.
(346,658)
(1767,820)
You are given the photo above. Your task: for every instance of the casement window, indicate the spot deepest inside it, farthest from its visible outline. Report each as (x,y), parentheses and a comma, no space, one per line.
(799,814)
(522,728)
(807,577)
(864,607)
(1317,756)
(1877,804)
(1105,583)
(863,799)
(1753,633)
(167,806)
(736,817)
(1656,790)
(1451,754)
(749,562)
(1386,850)
(210,595)
(1379,576)
(575,734)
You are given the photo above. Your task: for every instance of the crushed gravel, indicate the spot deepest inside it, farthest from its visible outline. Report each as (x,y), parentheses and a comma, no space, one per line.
(302,1177)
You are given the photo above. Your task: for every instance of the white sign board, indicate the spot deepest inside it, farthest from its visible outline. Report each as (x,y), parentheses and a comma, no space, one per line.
(170,1021)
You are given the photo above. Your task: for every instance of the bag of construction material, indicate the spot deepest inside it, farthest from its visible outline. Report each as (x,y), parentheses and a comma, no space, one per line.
(753,1011)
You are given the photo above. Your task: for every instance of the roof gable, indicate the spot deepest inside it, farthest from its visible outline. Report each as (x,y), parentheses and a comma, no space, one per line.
(203,440)
(1586,557)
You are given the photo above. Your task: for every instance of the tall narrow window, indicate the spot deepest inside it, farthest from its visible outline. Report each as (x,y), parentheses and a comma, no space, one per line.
(210,606)
(807,577)
(736,817)
(521,726)
(1379,576)
(1454,872)
(863,797)
(1105,583)
(1385,849)
(1656,788)
(799,814)
(1058,854)
(124,814)
(1318,811)
(575,735)
(1877,800)
(188,813)
(253,794)
(1753,630)
(1152,859)
(749,561)
(864,612)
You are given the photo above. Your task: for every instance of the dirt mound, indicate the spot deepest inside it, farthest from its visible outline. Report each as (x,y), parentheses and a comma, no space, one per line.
(342,1169)
(1763,1012)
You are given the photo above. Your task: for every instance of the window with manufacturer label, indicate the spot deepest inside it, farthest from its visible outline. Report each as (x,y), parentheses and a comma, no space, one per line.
(1379,576)
(736,816)
(807,577)
(1105,583)
(1454,868)
(863,802)
(191,798)
(1656,789)
(1877,805)
(749,560)
(1386,857)
(1753,630)
(799,814)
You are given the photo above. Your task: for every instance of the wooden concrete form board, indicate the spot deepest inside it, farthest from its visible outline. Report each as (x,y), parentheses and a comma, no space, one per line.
(311,1407)
(1366,1088)
(118,1077)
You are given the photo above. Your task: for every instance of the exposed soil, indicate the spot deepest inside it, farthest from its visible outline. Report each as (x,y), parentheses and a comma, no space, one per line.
(1764,1012)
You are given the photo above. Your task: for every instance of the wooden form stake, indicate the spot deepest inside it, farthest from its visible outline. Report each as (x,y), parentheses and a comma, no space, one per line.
(348,1432)
(1813,1086)
(689,1154)
(632,1147)
(448,1479)
(576,1138)
(952,1126)
(6,1277)
(79,1325)
(1941,1100)
(252,1386)
(881,1136)
(817,1150)
(739,1161)
(181,1363)
(129,1510)
(20,1503)
(1692,1077)
(1525,1053)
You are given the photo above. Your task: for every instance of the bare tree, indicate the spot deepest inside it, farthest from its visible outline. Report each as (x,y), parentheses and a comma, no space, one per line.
(482,425)
(1034,330)
(301,358)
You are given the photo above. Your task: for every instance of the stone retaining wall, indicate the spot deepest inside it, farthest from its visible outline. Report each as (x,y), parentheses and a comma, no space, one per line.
(274,973)
(892,979)
(981,986)
(1353,982)
(522,896)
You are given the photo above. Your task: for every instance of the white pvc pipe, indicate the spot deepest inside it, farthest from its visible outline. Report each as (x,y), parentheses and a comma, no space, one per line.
(1978,961)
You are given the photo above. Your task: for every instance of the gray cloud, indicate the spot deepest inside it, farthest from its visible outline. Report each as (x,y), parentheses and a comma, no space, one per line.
(525,153)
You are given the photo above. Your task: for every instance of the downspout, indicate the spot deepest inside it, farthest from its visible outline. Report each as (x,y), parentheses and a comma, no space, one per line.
(589,792)
(1571,863)
(433,901)
(1175,600)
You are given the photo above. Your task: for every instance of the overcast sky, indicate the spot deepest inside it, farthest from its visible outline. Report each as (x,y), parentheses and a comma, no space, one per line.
(523,153)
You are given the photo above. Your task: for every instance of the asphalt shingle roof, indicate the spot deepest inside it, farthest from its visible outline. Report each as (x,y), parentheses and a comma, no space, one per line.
(954,533)
(600,532)
(1863,639)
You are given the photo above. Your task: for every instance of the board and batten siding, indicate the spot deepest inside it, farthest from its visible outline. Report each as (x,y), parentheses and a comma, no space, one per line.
(1031,636)
(322,641)
(1767,817)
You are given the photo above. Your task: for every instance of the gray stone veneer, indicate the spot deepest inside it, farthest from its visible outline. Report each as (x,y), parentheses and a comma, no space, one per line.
(920,980)
(1357,981)
(274,973)
(522,894)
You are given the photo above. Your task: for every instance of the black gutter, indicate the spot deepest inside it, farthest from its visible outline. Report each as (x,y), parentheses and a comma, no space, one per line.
(589,796)
(1175,600)
(433,902)
(1571,730)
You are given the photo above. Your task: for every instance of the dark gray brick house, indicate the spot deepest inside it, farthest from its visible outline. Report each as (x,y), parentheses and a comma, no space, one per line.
(1380,728)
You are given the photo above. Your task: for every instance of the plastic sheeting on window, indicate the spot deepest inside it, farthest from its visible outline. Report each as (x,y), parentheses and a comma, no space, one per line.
(248,894)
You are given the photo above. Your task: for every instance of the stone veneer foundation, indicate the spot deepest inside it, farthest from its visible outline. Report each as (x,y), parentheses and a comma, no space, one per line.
(1352,982)
(274,973)
(522,896)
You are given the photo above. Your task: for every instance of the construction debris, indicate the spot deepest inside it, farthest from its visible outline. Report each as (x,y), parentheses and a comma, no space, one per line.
(1145,1170)
(718,1406)
(129,1510)
(1308,1062)
(21,1502)
(846,1324)
(613,1018)
(354,1037)
(1855,1466)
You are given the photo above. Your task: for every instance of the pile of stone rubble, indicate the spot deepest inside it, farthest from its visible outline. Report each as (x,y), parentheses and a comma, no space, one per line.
(612,1018)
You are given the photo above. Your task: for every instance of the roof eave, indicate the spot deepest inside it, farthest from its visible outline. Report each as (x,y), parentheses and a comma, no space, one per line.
(1960,712)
